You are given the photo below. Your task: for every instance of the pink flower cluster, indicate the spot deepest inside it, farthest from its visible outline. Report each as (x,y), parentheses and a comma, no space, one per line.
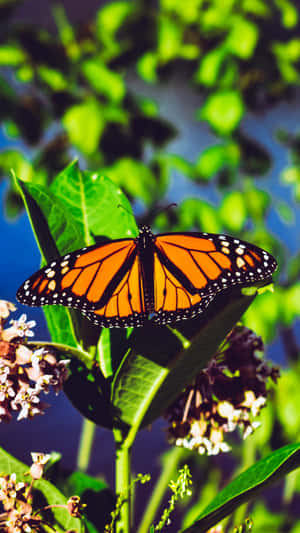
(18,503)
(228,394)
(24,372)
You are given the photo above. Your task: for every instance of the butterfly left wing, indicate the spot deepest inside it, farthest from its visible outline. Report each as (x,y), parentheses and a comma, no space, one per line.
(191,268)
(125,306)
(95,279)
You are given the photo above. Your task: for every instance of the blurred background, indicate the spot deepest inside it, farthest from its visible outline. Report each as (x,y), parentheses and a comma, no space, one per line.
(194,102)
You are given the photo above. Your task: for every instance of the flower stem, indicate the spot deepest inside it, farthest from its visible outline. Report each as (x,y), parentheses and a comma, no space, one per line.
(85,444)
(123,478)
(170,465)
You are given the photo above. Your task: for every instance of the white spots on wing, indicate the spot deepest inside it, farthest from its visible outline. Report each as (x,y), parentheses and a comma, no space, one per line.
(225,250)
(52,285)
(240,262)
(51,273)
(239,250)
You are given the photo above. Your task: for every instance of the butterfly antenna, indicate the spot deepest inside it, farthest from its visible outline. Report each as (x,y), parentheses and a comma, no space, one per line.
(164,209)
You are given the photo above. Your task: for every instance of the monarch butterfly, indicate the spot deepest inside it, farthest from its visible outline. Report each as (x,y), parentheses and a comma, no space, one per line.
(166,277)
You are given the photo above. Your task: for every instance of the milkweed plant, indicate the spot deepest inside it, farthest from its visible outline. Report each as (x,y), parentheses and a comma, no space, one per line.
(205,376)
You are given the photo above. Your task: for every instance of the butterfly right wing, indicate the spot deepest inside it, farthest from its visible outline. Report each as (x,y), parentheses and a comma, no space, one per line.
(173,301)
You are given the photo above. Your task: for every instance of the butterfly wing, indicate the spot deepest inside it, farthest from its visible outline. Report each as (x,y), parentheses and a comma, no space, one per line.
(102,281)
(191,268)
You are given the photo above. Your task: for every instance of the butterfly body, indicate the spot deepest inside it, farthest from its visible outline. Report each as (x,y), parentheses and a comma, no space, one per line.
(166,277)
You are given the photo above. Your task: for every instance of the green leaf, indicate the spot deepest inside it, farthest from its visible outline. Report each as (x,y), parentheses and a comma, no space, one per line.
(157,367)
(53,77)
(257,201)
(210,161)
(25,73)
(223,110)
(12,159)
(11,129)
(209,68)
(111,17)
(93,402)
(233,211)
(289,13)
(56,233)
(148,107)
(256,7)
(79,482)
(134,177)
(11,55)
(200,215)
(248,485)
(96,203)
(174,161)
(264,314)
(84,123)
(103,80)
(62,519)
(104,353)
(189,14)
(291,309)
(97,498)
(170,34)
(146,67)
(244,46)
(285,211)
(287,397)
(215,158)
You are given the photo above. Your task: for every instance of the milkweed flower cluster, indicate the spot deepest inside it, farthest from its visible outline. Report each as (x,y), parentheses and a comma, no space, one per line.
(229,393)
(17,501)
(25,373)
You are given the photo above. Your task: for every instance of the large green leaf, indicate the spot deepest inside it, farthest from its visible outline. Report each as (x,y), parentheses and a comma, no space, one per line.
(248,485)
(158,367)
(95,202)
(50,494)
(56,233)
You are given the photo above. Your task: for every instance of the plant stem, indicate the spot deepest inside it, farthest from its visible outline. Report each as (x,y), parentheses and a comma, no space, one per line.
(123,479)
(170,465)
(85,444)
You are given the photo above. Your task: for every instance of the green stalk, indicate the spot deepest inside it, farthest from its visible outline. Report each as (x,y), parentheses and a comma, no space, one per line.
(170,465)
(85,444)
(123,479)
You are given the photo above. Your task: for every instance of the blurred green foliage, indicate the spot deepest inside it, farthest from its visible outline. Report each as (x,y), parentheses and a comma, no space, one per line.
(70,92)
